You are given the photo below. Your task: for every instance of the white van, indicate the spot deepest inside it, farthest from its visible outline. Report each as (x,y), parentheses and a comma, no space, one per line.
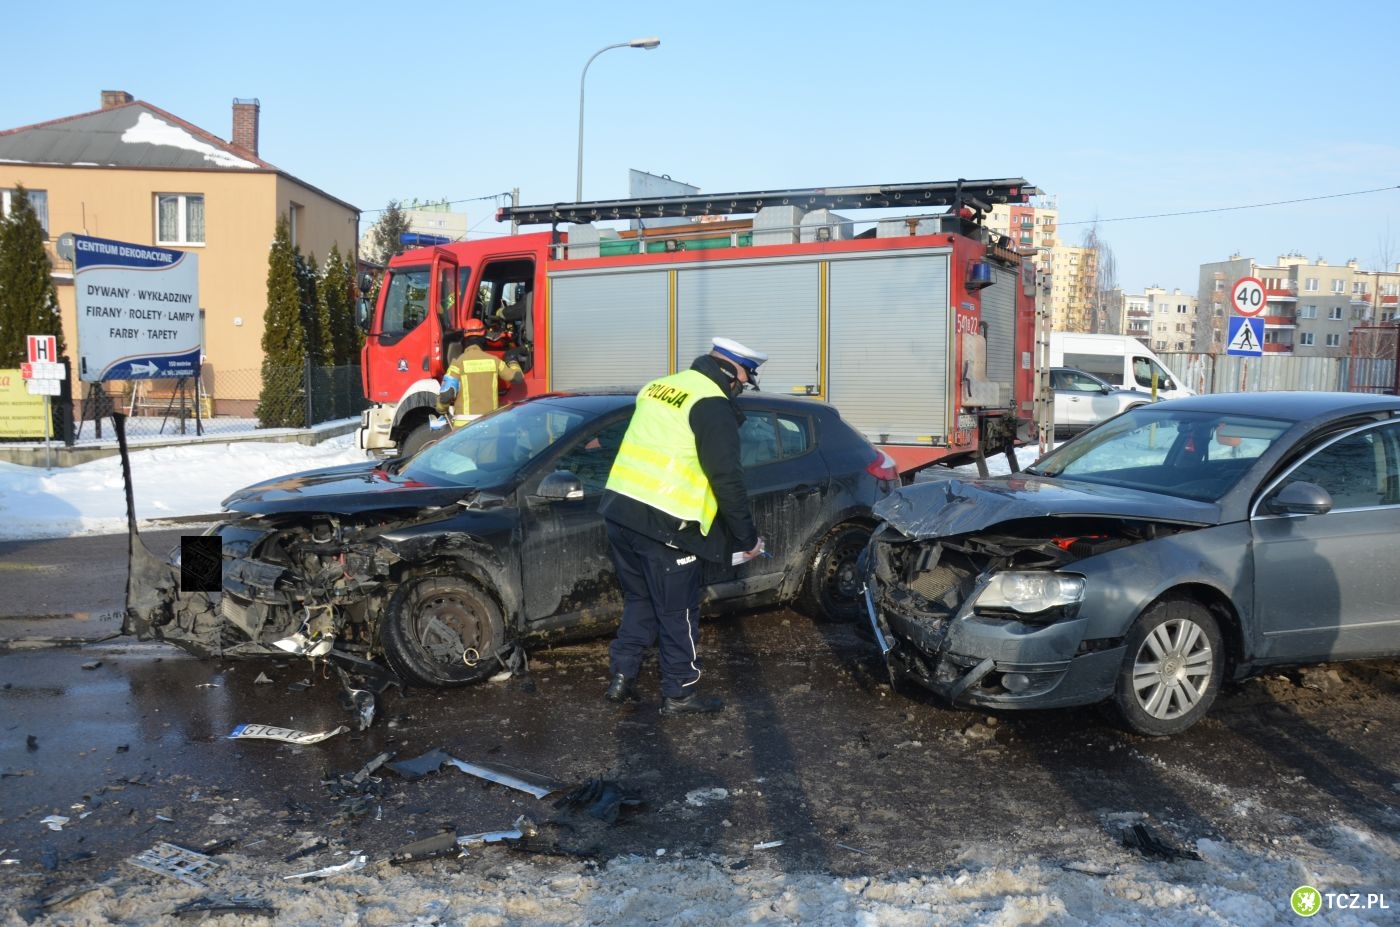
(1123,361)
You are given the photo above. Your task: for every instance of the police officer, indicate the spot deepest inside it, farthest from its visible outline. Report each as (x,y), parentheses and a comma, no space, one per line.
(675,497)
(469,388)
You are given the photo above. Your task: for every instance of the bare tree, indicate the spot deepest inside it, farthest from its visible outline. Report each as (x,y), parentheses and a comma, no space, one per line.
(1105,279)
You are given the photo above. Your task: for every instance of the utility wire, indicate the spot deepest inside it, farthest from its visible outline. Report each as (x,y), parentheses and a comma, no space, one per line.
(470,199)
(1197,212)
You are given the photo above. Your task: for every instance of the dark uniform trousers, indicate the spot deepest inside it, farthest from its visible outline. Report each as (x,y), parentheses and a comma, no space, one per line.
(660,604)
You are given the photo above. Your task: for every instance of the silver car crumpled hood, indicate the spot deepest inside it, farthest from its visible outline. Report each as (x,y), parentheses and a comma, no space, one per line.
(944,508)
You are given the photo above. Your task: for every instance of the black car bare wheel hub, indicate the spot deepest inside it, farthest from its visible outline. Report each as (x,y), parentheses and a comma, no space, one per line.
(842,582)
(449,628)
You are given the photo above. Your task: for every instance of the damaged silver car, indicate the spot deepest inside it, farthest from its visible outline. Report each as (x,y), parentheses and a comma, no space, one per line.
(1145,563)
(449,562)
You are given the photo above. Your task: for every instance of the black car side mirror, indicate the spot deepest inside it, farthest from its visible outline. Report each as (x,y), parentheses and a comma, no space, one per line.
(559,486)
(1300,498)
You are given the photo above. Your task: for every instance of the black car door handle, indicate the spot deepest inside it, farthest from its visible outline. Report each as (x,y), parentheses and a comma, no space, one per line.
(802,491)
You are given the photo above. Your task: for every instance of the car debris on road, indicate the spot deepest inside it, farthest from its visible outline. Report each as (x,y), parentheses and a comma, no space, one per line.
(284,734)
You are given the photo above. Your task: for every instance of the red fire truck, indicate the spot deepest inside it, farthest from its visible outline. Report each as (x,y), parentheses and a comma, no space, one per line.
(921,330)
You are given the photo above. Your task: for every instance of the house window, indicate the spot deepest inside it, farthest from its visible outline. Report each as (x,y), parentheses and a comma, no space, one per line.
(1180,310)
(1305,338)
(1335,313)
(38,200)
(1220,286)
(1334,340)
(1307,312)
(294,223)
(1338,286)
(1310,285)
(179,219)
(1358,286)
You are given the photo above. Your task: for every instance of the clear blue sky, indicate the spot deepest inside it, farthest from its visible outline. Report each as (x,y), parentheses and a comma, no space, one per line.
(1119,109)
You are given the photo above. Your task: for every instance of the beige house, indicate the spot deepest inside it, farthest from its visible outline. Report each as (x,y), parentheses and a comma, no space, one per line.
(132,172)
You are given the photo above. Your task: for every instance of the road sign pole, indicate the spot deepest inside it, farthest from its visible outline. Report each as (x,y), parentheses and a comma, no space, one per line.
(48,427)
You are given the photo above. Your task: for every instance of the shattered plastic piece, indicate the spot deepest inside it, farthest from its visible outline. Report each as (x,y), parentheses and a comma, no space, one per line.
(524,827)
(852,849)
(701,797)
(531,783)
(770,845)
(168,820)
(354,864)
(262,680)
(175,862)
(360,701)
(303,646)
(93,665)
(604,799)
(305,851)
(1139,838)
(1089,869)
(55,821)
(232,904)
(441,844)
(285,734)
(421,766)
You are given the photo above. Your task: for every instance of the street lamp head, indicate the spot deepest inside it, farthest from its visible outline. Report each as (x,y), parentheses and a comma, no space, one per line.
(650,41)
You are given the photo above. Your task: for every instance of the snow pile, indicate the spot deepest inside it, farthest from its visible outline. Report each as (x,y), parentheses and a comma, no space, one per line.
(1232,885)
(189,479)
(152,131)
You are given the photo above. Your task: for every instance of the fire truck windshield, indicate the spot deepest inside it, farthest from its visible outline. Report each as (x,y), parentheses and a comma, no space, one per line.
(406,300)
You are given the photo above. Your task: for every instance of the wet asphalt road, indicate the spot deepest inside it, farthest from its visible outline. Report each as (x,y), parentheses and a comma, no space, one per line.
(815,750)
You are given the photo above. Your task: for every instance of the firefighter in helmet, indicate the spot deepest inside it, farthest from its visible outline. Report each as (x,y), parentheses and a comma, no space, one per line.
(470,388)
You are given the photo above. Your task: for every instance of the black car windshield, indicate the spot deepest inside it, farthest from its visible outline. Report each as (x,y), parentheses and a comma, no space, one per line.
(490,450)
(1190,455)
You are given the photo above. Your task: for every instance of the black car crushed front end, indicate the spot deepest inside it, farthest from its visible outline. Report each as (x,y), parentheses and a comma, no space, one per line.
(992,616)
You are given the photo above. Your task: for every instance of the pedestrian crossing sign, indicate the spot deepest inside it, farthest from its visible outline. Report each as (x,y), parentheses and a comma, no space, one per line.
(1246,336)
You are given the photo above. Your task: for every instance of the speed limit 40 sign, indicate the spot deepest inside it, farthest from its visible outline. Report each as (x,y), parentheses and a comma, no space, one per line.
(1248,296)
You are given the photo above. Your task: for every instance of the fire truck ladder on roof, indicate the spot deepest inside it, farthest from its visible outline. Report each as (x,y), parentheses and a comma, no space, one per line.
(979,194)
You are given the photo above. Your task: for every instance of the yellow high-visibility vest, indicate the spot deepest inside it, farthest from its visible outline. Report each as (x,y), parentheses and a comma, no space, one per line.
(657,463)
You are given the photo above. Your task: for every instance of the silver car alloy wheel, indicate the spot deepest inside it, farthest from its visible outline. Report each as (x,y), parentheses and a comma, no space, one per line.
(1172,670)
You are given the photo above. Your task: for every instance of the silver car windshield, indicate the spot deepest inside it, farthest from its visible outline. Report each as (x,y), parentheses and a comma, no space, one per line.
(1191,455)
(490,450)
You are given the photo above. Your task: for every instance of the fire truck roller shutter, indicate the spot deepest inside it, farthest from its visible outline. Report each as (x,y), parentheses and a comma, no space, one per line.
(889,323)
(999,317)
(608,329)
(774,306)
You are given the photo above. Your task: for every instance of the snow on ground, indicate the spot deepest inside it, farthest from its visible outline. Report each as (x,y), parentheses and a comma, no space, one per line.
(189,479)
(1229,886)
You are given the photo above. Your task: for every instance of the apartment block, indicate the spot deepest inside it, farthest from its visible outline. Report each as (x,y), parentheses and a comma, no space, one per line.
(1163,321)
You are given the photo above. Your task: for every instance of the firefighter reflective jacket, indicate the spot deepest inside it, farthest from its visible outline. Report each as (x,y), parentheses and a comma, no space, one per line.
(657,464)
(474,376)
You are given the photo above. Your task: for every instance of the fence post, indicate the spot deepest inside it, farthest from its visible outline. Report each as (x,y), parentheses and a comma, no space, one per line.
(306,378)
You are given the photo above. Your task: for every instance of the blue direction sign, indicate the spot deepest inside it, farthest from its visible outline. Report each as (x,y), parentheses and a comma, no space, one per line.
(1246,336)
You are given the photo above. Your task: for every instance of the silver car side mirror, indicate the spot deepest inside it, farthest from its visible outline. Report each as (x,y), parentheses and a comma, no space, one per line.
(1300,498)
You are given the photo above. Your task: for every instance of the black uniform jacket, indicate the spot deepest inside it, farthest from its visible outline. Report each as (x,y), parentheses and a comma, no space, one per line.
(715,423)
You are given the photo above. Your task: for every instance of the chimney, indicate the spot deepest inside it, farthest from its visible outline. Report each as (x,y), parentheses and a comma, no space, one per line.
(111,98)
(245,126)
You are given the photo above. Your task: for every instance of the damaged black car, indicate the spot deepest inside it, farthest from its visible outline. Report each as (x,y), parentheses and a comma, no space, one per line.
(1145,563)
(449,562)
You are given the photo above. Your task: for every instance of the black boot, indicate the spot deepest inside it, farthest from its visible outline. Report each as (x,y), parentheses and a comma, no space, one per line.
(691,704)
(621,689)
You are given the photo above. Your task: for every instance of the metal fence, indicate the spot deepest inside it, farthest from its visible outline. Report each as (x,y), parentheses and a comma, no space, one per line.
(1223,373)
(219,402)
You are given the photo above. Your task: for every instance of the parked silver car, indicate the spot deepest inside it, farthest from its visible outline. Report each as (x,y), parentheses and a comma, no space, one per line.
(1181,544)
(1083,400)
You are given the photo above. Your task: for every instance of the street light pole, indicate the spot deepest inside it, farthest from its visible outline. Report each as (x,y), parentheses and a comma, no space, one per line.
(648,43)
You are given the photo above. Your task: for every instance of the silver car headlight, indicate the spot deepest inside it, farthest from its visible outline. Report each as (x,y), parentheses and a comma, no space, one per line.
(1030,591)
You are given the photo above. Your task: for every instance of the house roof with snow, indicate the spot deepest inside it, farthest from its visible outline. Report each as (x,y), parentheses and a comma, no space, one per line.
(133,134)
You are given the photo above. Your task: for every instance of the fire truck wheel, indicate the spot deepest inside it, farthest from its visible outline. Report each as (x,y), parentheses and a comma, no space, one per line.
(831,588)
(442,631)
(416,440)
